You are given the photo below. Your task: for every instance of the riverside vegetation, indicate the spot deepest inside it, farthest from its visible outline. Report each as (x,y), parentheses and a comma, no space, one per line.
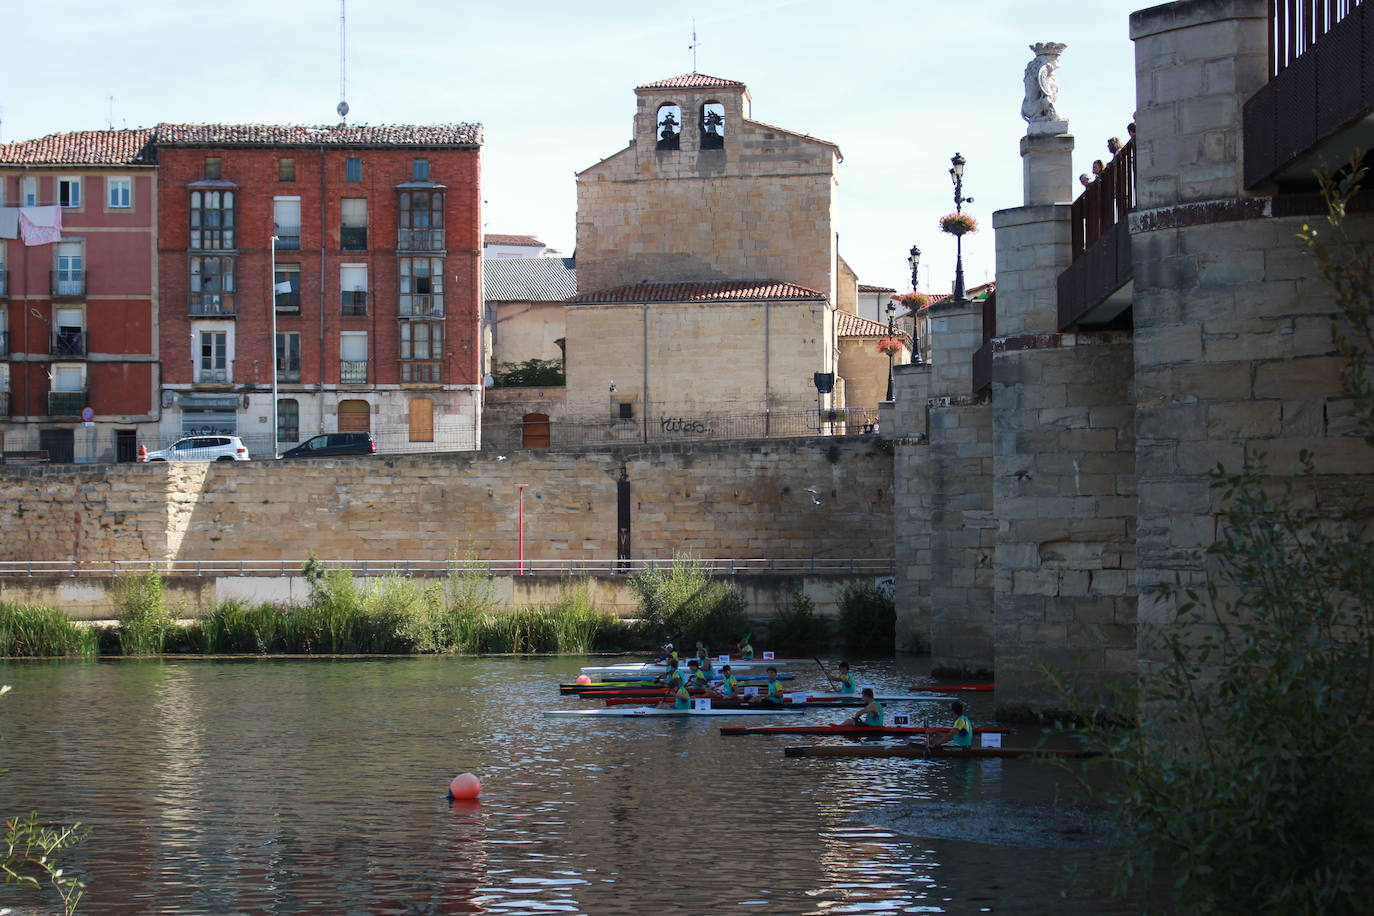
(397,614)
(1246,774)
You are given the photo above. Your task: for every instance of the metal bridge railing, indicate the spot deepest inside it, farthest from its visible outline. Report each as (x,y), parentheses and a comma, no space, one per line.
(789,566)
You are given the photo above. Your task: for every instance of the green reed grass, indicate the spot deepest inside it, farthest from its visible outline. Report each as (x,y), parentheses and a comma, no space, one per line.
(145,623)
(31,630)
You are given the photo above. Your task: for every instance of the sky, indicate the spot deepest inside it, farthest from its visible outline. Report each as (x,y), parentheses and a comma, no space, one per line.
(899,85)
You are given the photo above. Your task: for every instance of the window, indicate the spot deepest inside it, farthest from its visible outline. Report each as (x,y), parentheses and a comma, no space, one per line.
(353,224)
(69,277)
(288,420)
(212,168)
(30,192)
(286,170)
(421,420)
(422,221)
(119,193)
(712,125)
(69,332)
(286,223)
(668,126)
(286,288)
(419,170)
(353,358)
(212,220)
(421,340)
(4,287)
(212,286)
(289,356)
(627,410)
(68,378)
(69,192)
(212,362)
(422,287)
(353,169)
(353,289)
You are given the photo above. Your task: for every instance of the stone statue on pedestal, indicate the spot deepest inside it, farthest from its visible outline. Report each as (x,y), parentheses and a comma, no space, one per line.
(1042,87)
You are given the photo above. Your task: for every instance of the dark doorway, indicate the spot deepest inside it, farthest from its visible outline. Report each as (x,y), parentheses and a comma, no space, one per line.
(535,430)
(60,444)
(126,445)
(622,515)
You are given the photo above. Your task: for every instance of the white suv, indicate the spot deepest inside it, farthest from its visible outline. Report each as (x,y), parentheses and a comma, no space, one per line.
(203,448)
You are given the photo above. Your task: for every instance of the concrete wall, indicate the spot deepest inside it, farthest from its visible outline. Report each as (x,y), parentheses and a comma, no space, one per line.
(91,598)
(730,499)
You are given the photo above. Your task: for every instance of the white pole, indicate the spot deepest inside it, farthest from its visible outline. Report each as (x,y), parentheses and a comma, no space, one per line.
(272,307)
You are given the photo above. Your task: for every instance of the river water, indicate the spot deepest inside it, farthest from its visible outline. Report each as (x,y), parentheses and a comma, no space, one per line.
(282,786)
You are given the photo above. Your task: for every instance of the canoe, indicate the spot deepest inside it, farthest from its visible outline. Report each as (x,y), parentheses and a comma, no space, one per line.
(953,687)
(653,668)
(634,712)
(642,682)
(846,703)
(813,700)
(919,752)
(844,731)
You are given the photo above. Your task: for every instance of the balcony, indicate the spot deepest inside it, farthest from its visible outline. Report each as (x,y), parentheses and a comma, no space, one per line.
(68,284)
(421,306)
(212,304)
(1094,291)
(4,283)
(66,403)
(68,343)
(353,238)
(353,303)
(213,377)
(422,373)
(287,302)
(1317,104)
(289,374)
(420,240)
(353,372)
(288,237)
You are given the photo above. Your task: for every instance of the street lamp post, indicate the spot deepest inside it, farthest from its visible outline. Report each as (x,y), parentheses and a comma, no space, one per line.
(914,259)
(891,335)
(956,175)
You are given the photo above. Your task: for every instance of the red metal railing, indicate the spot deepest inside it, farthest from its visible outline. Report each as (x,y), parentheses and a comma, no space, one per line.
(1106,201)
(1295,26)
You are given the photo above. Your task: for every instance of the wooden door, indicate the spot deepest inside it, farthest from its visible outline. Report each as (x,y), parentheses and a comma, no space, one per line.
(421,420)
(355,417)
(535,430)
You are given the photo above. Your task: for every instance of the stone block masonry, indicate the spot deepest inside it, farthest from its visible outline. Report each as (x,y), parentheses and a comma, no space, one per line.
(741,499)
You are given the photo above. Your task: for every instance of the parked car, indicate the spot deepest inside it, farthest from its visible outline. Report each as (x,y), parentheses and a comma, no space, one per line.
(332,445)
(203,448)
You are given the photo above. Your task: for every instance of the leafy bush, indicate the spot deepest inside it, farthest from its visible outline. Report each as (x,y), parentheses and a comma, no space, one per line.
(868,618)
(684,604)
(144,620)
(34,630)
(532,373)
(796,625)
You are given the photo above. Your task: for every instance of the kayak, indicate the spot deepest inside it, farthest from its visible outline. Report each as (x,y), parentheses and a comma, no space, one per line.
(842,703)
(953,687)
(845,731)
(642,683)
(634,712)
(653,669)
(810,699)
(916,752)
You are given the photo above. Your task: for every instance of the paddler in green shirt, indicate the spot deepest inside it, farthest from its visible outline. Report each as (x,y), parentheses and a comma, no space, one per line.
(696,678)
(743,649)
(672,678)
(682,699)
(871,716)
(703,657)
(729,687)
(774,696)
(842,682)
(961,732)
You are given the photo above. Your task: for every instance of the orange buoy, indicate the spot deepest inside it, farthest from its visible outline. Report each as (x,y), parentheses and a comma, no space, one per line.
(464,786)
(583,679)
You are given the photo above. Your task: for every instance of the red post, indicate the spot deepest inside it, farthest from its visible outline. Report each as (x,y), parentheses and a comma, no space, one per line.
(520,562)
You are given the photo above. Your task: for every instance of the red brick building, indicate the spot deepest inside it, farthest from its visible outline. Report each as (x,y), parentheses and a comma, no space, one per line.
(78,311)
(374,284)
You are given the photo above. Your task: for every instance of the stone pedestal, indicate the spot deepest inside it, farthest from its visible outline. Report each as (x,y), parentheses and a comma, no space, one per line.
(1047,165)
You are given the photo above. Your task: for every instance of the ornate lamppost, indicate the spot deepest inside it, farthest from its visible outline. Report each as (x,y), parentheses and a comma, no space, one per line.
(891,335)
(956,175)
(914,259)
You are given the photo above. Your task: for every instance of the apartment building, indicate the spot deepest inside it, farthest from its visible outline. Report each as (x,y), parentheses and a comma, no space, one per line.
(342,263)
(78,298)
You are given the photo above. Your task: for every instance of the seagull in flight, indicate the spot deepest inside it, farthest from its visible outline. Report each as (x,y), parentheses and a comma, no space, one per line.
(815,495)
(500,457)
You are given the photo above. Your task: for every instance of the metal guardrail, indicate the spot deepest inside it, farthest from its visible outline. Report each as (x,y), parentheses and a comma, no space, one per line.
(833,566)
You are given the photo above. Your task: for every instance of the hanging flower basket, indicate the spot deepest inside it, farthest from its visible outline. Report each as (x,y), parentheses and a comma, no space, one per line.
(958,223)
(889,346)
(914,301)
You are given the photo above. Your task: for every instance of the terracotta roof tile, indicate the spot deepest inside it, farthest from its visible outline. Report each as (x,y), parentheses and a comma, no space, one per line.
(694,81)
(314,135)
(847,325)
(528,241)
(714,291)
(84,147)
(865,288)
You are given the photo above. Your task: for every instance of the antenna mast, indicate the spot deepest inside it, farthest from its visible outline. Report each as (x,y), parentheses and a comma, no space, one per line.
(693,46)
(109,121)
(343,66)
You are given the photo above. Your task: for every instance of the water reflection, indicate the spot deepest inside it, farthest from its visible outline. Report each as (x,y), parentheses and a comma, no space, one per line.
(283,786)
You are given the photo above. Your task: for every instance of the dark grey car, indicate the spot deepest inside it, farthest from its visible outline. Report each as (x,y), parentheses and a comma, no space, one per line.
(331,445)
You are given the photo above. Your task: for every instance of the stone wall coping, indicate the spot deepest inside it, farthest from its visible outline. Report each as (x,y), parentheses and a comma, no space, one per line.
(1061,341)
(957,400)
(1038,213)
(1197,213)
(1185,14)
